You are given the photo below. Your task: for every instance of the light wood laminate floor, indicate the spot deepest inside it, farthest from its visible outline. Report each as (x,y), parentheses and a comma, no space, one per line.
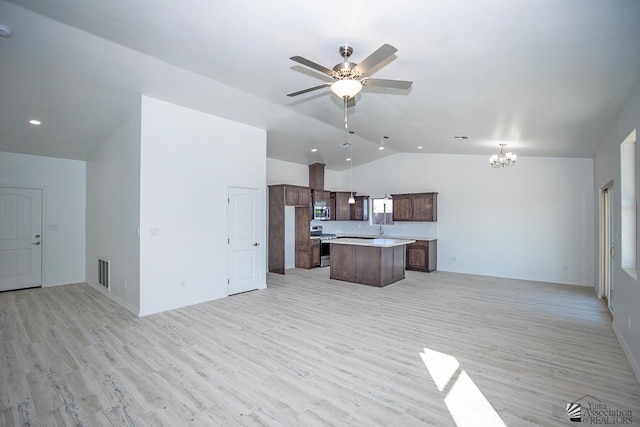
(434,349)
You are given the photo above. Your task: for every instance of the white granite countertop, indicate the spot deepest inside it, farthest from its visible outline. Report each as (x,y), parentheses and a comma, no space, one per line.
(387,236)
(377,242)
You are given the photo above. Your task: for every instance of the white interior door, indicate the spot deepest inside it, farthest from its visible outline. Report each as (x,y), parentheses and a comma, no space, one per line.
(20,238)
(244,239)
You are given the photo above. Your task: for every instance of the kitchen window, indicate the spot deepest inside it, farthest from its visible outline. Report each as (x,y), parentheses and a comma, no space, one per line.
(382,211)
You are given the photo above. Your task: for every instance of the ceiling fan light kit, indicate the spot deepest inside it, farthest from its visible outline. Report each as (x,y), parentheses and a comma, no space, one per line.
(346,88)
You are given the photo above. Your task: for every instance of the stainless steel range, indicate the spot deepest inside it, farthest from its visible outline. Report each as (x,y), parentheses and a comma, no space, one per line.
(325,247)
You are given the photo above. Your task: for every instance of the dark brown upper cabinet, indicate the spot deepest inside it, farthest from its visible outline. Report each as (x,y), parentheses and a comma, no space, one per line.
(415,207)
(316,176)
(321,198)
(339,207)
(360,209)
(401,207)
(297,196)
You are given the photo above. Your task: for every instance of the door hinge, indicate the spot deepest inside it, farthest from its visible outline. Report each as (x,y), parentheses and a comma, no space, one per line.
(228,241)
(229,200)
(228,281)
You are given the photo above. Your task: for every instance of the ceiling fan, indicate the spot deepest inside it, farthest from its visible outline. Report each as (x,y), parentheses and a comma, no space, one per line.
(348,75)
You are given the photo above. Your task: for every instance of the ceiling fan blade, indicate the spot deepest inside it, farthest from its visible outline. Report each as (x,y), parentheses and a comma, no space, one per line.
(383,52)
(311,64)
(300,92)
(395,84)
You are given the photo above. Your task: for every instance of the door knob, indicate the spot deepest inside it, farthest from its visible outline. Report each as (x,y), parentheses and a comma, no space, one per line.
(256,244)
(36,243)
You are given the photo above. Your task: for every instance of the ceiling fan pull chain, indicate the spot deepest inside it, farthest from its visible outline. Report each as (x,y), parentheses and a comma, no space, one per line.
(346,124)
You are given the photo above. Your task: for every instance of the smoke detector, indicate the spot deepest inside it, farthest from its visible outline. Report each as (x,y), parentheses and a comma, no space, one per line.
(5,31)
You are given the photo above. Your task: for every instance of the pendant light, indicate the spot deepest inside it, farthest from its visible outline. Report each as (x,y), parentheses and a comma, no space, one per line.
(387,197)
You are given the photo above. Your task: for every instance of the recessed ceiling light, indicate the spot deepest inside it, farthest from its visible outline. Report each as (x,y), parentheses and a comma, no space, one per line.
(313,150)
(420,147)
(381,147)
(35,122)
(460,137)
(5,31)
(348,159)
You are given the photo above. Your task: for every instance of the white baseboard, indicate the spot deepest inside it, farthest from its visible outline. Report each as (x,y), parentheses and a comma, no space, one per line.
(115,299)
(627,351)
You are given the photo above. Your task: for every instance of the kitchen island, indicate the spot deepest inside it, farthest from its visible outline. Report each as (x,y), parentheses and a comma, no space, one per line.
(375,262)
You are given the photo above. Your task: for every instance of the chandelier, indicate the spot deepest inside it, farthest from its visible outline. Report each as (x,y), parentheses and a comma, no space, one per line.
(503,159)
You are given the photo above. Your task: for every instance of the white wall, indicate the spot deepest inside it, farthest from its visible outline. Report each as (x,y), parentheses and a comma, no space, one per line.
(625,296)
(188,161)
(523,222)
(113,212)
(281,172)
(63,220)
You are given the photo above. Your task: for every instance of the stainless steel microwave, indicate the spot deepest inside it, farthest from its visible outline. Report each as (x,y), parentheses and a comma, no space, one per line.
(321,213)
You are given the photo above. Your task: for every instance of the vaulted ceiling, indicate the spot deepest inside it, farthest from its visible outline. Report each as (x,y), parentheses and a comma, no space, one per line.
(546,77)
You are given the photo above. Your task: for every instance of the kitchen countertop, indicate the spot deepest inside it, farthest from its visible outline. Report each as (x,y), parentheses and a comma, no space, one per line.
(377,242)
(387,236)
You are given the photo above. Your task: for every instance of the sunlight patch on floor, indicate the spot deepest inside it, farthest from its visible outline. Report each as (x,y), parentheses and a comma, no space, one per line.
(466,403)
(441,366)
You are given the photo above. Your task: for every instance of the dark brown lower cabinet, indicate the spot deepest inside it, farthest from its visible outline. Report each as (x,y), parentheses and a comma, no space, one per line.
(302,238)
(314,244)
(367,265)
(422,255)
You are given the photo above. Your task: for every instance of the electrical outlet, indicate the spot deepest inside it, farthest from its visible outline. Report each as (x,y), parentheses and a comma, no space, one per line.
(565,267)
(183,284)
(629,322)
(454,259)
(124,283)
